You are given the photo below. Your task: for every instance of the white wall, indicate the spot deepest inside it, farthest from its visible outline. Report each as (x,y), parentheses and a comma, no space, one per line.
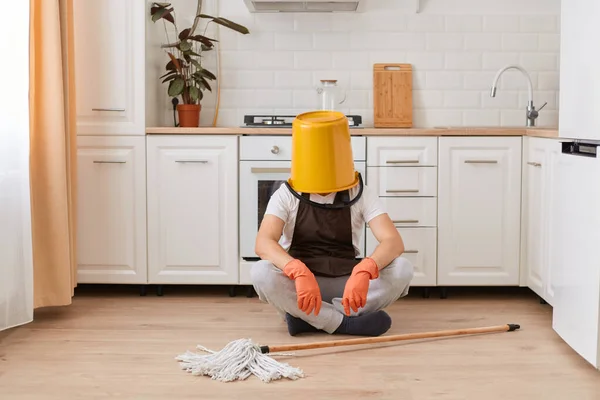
(455,47)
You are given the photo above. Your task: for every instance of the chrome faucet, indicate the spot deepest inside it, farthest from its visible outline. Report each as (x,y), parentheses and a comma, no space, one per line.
(531,113)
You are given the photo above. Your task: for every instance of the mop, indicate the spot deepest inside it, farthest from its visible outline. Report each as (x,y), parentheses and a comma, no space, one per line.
(242,358)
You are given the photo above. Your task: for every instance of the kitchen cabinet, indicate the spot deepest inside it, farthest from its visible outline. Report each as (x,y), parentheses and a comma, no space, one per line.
(539,158)
(479,201)
(192,209)
(111,210)
(403,171)
(110,66)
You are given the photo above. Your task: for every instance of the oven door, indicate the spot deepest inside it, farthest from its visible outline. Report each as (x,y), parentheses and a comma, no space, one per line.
(258,181)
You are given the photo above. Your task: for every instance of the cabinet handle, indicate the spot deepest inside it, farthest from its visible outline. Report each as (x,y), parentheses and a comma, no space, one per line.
(406,221)
(411,251)
(481,161)
(108,109)
(258,170)
(192,161)
(535,164)
(109,162)
(402,161)
(402,191)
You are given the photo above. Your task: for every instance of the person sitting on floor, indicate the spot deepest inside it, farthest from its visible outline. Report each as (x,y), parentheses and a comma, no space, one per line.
(308,240)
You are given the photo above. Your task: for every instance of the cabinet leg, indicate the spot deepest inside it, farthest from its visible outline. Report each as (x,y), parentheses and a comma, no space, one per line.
(444,293)
(250,292)
(232,291)
(426,293)
(143,290)
(159,290)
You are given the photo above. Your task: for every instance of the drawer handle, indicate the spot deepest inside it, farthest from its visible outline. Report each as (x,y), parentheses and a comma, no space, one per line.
(535,164)
(192,161)
(258,170)
(402,162)
(481,162)
(108,109)
(402,191)
(109,162)
(406,221)
(275,150)
(411,251)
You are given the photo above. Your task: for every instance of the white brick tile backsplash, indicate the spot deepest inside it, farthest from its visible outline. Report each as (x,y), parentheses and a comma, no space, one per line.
(443,80)
(538,23)
(443,41)
(519,42)
(293,79)
(501,23)
(312,60)
(483,41)
(549,42)
(426,61)
(331,41)
(481,117)
(539,62)
(462,99)
(468,61)
(455,56)
(293,41)
(464,23)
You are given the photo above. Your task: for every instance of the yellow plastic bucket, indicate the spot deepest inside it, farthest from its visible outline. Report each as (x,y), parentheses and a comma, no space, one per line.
(322,160)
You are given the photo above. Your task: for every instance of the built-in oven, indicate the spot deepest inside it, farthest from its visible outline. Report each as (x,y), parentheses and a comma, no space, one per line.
(265,164)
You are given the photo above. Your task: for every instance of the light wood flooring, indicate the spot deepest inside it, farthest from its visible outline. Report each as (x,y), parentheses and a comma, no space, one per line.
(114,344)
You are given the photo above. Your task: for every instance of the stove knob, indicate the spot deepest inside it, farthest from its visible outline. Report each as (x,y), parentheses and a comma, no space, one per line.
(275,150)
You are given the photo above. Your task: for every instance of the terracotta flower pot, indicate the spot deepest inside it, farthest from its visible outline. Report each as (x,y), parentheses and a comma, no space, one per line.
(189,115)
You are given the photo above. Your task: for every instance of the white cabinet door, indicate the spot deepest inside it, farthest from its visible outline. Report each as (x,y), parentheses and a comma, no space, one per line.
(479,200)
(536,222)
(110,66)
(193,210)
(111,210)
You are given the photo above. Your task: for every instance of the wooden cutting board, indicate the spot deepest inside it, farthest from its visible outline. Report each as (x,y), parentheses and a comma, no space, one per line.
(392,95)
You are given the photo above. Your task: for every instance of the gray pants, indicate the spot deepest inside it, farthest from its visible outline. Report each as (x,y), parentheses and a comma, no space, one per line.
(275,288)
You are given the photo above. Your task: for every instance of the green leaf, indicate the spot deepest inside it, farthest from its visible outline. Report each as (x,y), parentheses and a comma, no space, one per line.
(160,12)
(171,72)
(194,93)
(196,64)
(205,48)
(207,74)
(176,87)
(227,23)
(185,45)
(184,33)
(208,42)
(175,62)
(169,78)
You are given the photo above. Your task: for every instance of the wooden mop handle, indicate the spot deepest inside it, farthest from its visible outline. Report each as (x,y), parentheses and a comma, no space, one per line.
(391,338)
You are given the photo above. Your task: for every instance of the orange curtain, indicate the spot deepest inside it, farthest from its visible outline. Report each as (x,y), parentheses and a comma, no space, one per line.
(53,168)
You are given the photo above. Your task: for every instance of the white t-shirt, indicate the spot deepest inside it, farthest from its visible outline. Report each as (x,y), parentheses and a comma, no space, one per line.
(284,204)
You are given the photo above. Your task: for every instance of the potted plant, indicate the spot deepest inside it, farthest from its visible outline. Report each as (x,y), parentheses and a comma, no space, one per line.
(185,74)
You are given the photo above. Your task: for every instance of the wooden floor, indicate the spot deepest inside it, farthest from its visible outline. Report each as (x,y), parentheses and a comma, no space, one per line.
(117,345)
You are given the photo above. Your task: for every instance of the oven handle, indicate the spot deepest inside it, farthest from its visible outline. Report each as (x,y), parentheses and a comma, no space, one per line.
(270,170)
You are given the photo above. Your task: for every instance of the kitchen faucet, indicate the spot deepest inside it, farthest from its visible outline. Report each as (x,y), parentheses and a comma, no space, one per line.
(532,113)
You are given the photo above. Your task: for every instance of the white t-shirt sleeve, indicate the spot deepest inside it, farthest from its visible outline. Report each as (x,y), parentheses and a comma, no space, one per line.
(371,204)
(279,204)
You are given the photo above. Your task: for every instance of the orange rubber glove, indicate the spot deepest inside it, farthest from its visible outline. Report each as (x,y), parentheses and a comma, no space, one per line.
(307,288)
(357,286)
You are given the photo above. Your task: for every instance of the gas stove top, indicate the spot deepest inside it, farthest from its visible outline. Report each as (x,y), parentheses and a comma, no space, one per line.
(285,121)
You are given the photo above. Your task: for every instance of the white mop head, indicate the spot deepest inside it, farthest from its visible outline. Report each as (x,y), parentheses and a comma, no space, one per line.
(237,361)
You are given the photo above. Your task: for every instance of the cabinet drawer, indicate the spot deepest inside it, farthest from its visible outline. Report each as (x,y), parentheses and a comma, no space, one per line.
(402,182)
(402,151)
(267,148)
(420,249)
(411,211)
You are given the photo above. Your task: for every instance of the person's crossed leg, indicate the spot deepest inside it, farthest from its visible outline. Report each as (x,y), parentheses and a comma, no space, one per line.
(274,287)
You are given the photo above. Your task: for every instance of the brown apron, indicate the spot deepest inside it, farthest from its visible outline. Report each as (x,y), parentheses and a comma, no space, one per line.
(322,237)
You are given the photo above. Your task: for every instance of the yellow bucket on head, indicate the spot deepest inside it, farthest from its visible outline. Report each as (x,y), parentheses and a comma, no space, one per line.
(322,160)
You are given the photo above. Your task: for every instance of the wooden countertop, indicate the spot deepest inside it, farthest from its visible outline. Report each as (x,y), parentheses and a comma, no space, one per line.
(547,132)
